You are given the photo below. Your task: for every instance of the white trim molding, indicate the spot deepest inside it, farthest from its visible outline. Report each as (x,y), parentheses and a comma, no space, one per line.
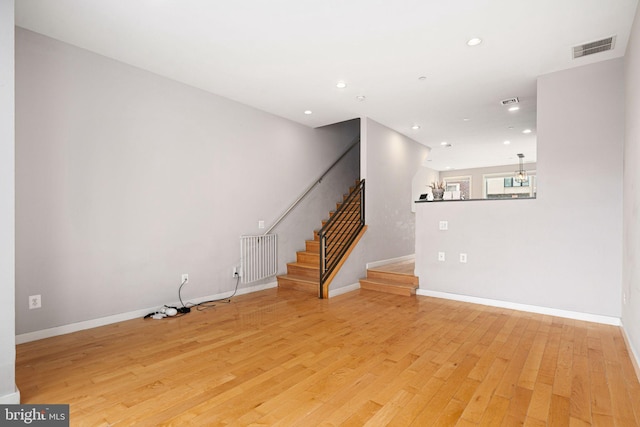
(633,353)
(102,321)
(587,317)
(11,399)
(343,290)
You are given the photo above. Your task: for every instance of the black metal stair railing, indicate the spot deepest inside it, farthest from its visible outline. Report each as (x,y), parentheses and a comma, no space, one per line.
(339,232)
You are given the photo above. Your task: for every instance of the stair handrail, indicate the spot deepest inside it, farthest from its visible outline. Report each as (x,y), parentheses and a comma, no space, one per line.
(354,143)
(344,221)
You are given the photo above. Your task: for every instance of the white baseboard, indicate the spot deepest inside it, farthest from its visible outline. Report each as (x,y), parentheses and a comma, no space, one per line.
(390,260)
(343,290)
(11,399)
(633,353)
(596,318)
(121,317)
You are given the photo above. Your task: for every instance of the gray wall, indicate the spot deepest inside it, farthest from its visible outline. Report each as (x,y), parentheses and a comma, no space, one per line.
(389,162)
(125,180)
(7,252)
(631,259)
(563,249)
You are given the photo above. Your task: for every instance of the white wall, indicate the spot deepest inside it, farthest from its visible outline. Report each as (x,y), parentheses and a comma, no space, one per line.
(561,250)
(631,259)
(125,180)
(8,392)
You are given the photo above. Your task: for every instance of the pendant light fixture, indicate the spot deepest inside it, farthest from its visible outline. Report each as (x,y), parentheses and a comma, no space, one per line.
(521,174)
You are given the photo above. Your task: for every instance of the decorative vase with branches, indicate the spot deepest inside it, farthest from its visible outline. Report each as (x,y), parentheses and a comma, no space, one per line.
(437,189)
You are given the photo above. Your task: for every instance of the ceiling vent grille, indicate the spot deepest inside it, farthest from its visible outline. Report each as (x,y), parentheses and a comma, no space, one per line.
(510,101)
(594,47)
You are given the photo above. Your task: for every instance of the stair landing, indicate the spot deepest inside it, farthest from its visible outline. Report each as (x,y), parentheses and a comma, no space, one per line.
(394,278)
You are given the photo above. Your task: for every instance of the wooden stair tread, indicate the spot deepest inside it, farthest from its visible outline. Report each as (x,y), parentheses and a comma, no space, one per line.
(395,278)
(299,283)
(303,265)
(387,283)
(390,288)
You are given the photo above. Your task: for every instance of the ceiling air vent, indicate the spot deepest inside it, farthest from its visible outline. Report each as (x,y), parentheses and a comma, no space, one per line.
(594,47)
(509,101)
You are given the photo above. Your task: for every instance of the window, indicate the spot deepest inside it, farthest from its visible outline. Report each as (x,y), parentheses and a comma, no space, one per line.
(459,186)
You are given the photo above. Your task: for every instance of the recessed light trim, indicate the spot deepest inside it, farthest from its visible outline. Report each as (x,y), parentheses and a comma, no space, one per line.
(444,143)
(361,98)
(308,112)
(527,131)
(466,119)
(514,108)
(415,127)
(421,78)
(507,142)
(475,41)
(341,85)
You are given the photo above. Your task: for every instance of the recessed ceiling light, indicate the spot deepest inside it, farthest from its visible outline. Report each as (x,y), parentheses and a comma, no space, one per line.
(507,142)
(361,98)
(448,167)
(514,108)
(341,85)
(415,127)
(307,112)
(466,119)
(422,78)
(443,143)
(526,131)
(474,41)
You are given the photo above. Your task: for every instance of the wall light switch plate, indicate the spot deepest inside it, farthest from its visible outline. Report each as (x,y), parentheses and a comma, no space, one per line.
(261,224)
(440,256)
(444,225)
(463,258)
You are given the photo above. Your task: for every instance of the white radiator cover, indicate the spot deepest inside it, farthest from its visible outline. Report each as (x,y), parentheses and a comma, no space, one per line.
(258,257)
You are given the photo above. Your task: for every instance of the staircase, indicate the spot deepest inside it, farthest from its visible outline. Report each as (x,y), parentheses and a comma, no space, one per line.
(304,273)
(395,278)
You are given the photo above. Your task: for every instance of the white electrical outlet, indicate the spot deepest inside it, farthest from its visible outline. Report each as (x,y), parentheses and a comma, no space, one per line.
(444,225)
(236,272)
(440,256)
(463,258)
(35,301)
(185,278)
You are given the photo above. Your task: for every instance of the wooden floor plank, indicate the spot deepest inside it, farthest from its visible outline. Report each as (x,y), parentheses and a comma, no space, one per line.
(281,357)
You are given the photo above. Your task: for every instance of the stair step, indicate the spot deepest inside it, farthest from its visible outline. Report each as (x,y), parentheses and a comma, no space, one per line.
(306,257)
(345,221)
(334,234)
(309,271)
(390,288)
(391,277)
(352,206)
(290,281)
(312,246)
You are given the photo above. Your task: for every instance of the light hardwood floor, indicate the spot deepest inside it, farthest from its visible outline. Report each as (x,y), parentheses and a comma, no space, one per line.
(281,357)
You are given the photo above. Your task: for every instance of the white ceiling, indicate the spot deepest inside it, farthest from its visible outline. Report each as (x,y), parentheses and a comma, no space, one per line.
(286,56)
